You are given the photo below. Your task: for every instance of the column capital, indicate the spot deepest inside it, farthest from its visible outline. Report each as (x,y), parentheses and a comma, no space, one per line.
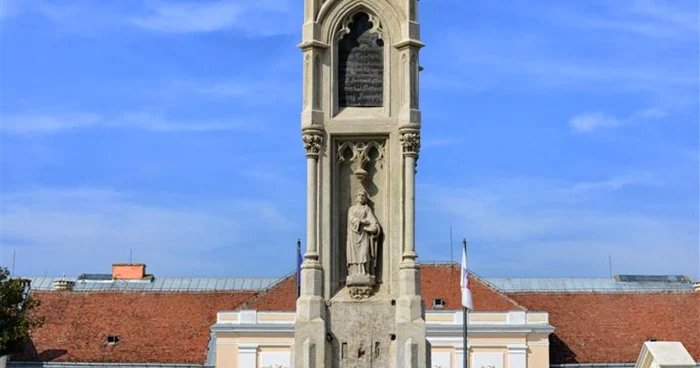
(410,142)
(313,142)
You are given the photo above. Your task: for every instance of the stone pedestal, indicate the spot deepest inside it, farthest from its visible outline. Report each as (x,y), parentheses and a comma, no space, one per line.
(361,286)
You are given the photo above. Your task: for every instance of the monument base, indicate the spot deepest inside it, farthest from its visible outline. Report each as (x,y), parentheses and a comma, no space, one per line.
(361,286)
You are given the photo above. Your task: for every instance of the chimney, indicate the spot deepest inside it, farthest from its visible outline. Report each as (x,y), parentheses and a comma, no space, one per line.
(696,286)
(128,271)
(63,285)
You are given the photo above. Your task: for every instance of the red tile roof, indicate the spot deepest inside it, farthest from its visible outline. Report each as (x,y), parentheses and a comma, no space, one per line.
(174,327)
(442,281)
(437,281)
(281,297)
(152,327)
(611,327)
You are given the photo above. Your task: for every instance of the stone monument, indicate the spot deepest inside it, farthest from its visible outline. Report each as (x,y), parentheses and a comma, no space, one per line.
(360,303)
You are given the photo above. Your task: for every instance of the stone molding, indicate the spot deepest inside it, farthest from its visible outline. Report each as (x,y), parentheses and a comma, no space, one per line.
(287,318)
(313,44)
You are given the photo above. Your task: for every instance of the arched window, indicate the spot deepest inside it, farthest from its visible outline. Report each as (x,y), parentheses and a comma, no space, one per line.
(361,63)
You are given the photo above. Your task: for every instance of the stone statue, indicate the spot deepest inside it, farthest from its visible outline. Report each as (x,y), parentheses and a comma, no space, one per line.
(363,231)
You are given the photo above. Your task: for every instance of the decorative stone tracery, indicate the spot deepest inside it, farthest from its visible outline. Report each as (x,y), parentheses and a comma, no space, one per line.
(361,151)
(348,20)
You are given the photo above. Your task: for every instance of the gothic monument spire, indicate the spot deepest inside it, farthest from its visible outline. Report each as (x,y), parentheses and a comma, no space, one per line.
(360,303)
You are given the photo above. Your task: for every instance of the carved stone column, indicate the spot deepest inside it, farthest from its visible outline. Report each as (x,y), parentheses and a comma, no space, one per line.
(310,328)
(313,143)
(410,143)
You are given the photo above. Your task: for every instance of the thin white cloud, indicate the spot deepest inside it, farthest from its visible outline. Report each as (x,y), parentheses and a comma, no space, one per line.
(590,121)
(244,90)
(440,142)
(178,17)
(685,17)
(650,113)
(47,124)
(250,18)
(648,19)
(9,8)
(66,122)
(82,228)
(594,51)
(616,183)
(531,227)
(543,65)
(693,154)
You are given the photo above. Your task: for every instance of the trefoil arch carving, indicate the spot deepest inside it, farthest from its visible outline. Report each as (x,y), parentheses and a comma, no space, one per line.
(360,153)
(377,26)
(334,14)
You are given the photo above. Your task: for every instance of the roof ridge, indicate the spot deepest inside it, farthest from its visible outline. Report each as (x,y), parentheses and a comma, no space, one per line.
(498,291)
(265,291)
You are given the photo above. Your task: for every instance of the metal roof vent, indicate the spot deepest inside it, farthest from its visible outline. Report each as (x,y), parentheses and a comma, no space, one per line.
(63,285)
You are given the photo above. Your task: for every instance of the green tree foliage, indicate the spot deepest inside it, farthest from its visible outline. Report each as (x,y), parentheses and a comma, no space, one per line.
(16,316)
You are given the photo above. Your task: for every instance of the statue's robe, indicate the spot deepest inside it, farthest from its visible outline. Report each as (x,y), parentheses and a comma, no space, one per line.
(362,239)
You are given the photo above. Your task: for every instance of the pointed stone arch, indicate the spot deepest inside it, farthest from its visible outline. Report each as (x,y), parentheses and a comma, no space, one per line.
(334,12)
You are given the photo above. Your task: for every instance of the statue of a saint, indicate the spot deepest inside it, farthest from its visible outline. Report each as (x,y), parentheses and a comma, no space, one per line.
(363,231)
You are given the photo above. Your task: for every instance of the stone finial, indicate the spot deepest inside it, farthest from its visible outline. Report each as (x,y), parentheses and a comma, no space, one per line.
(313,142)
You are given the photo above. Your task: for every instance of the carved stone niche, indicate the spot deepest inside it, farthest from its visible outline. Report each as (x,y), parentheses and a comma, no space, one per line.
(360,62)
(361,176)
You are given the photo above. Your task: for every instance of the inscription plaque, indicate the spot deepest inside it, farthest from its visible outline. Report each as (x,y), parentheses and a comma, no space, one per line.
(361,65)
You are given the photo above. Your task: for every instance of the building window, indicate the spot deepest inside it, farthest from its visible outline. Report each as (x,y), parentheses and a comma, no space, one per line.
(112,339)
(438,303)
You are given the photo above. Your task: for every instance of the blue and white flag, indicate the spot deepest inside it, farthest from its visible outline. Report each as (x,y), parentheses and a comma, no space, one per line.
(298,270)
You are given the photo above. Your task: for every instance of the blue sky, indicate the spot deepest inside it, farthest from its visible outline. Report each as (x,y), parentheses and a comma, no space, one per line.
(555,135)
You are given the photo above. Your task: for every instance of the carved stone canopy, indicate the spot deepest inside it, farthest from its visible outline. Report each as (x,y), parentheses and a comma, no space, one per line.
(360,154)
(345,28)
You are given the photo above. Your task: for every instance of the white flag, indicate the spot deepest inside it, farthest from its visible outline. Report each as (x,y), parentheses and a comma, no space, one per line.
(467,301)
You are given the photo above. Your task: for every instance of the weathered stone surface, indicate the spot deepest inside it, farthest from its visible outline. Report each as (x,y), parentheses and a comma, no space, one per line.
(367,334)
(361,66)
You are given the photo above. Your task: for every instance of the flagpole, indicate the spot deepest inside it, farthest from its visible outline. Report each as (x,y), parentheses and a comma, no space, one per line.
(465,321)
(465,316)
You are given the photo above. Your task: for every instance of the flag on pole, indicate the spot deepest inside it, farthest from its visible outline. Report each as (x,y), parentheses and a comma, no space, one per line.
(298,270)
(467,301)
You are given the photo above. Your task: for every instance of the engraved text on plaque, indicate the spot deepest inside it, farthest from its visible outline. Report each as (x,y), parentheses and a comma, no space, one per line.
(361,65)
